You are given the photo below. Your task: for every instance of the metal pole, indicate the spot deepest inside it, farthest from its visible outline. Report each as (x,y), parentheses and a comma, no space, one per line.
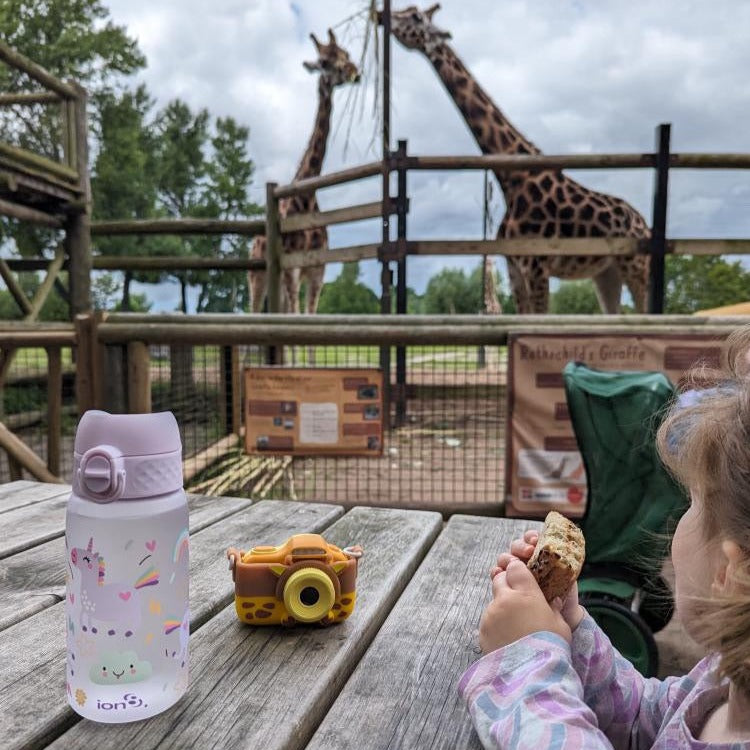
(481,354)
(658,244)
(385,274)
(401,288)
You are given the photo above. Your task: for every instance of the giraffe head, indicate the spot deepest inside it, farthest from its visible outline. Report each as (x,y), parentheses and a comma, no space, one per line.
(414,28)
(333,62)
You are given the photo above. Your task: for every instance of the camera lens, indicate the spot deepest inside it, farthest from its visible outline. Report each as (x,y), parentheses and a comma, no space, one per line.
(309,596)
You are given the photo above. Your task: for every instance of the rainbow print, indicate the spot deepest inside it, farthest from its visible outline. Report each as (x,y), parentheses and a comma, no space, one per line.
(149,578)
(171,625)
(180,547)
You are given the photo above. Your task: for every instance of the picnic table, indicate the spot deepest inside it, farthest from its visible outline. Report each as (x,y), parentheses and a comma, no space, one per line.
(385,677)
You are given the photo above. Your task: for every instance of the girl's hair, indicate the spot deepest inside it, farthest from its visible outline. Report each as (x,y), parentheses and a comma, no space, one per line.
(706,445)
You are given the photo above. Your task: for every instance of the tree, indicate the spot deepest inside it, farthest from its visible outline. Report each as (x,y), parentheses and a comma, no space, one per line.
(229,174)
(347,295)
(452,292)
(701,282)
(72,39)
(124,178)
(180,172)
(575,298)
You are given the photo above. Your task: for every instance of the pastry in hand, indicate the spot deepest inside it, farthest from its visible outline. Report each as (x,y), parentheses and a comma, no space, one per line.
(558,557)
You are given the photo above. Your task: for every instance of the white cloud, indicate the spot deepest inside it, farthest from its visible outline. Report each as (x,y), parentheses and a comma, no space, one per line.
(575,77)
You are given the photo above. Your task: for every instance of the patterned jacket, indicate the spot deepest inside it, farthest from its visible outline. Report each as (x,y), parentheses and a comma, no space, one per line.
(541,693)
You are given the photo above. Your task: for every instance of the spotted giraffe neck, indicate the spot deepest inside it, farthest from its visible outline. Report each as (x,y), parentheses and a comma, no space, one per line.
(312,160)
(492,130)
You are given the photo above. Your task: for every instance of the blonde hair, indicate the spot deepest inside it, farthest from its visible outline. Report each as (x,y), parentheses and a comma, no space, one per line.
(706,446)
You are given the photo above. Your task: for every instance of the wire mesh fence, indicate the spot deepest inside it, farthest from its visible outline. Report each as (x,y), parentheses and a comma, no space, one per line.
(447,450)
(25,403)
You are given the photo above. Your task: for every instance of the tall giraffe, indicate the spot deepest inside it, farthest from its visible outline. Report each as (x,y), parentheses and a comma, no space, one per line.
(546,203)
(335,69)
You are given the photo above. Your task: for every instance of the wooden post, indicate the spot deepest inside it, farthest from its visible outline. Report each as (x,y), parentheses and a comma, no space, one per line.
(229,360)
(88,358)
(658,243)
(19,452)
(54,408)
(139,378)
(114,387)
(78,225)
(273,263)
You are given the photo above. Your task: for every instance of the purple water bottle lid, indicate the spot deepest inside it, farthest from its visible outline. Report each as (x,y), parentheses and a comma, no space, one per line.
(130,456)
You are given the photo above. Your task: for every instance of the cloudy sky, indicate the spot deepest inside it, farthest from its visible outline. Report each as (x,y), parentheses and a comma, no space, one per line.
(576,76)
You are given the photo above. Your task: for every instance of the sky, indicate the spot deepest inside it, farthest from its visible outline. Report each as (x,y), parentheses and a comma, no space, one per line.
(575,76)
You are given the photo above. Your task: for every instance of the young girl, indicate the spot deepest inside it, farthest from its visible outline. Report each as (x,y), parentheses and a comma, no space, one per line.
(551,678)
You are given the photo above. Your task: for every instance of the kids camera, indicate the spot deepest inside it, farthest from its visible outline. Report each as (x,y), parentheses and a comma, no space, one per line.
(303,580)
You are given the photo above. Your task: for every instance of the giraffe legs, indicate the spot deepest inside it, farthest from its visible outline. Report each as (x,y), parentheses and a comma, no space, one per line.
(608,285)
(529,284)
(314,278)
(635,271)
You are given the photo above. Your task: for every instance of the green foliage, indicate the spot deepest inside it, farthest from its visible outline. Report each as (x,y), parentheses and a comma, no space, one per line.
(574,298)
(450,292)
(72,39)
(347,295)
(700,282)
(54,307)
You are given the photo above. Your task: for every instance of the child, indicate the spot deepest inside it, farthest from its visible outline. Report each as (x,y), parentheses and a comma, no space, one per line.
(551,678)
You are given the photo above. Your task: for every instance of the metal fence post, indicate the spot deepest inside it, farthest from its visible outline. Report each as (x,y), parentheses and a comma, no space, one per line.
(273,262)
(401,297)
(658,244)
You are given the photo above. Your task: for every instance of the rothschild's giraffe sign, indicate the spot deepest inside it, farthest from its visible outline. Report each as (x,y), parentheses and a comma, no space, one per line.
(313,411)
(544,470)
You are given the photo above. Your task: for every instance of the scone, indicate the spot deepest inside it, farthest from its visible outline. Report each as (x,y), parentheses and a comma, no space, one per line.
(558,557)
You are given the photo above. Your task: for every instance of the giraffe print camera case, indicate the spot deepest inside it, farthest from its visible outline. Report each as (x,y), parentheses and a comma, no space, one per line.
(305,580)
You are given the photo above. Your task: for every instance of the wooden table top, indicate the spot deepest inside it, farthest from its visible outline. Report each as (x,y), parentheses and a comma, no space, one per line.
(384,678)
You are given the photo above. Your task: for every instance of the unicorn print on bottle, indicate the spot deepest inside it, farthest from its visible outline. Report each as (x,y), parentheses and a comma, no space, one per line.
(113,604)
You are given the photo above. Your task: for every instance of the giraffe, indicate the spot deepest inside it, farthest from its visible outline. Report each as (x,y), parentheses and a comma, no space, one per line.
(546,203)
(335,69)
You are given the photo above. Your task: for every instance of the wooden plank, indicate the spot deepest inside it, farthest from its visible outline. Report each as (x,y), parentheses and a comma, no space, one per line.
(40,163)
(33,707)
(296,222)
(304,258)
(403,692)
(18,451)
(520,246)
(41,75)
(269,687)
(34,579)
(29,97)
(14,287)
(25,492)
(187,225)
(26,527)
(32,215)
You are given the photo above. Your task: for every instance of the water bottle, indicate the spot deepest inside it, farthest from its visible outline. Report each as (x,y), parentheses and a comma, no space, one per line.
(126,538)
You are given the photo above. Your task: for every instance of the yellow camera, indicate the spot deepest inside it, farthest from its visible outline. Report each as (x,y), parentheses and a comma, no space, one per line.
(303,580)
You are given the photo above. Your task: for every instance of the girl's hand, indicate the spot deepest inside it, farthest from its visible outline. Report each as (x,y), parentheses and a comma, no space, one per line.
(523,549)
(518,608)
